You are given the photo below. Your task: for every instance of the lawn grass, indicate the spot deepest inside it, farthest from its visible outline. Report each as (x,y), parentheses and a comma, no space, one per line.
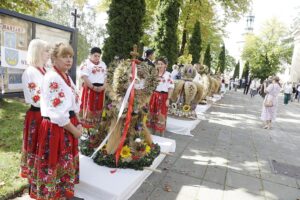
(12,113)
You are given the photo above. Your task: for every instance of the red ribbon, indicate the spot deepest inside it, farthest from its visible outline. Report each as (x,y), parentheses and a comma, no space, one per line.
(128,116)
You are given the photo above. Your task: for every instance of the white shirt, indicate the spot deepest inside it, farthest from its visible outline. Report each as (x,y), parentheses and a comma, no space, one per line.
(288,89)
(32,80)
(57,99)
(95,73)
(254,85)
(165,83)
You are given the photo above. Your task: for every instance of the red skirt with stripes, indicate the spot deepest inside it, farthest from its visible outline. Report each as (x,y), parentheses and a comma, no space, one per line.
(158,112)
(32,123)
(56,164)
(91,107)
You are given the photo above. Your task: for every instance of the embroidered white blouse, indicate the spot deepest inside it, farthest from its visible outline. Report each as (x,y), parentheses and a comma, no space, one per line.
(57,99)
(165,83)
(32,80)
(95,73)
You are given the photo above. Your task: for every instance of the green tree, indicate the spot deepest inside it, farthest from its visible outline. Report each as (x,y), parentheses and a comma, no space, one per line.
(222,60)
(236,73)
(31,7)
(195,43)
(166,36)
(246,70)
(267,50)
(230,62)
(207,58)
(124,28)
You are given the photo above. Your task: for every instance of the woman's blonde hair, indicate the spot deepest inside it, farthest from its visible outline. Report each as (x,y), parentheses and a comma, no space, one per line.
(61,50)
(35,49)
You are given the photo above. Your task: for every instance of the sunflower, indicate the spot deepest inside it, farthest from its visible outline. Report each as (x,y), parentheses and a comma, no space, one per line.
(125,153)
(147,149)
(174,106)
(186,108)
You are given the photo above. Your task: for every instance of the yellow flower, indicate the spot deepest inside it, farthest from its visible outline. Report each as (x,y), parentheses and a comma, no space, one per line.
(125,153)
(145,119)
(147,149)
(186,108)
(103,113)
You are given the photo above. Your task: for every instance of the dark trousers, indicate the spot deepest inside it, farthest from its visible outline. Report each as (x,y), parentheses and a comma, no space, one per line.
(286,99)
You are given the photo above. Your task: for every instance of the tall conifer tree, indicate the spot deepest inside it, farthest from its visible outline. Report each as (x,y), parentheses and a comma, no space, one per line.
(195,43)
(246,70)
(236,73)
(166,41)
(222,60)
(207,58)
(124,28)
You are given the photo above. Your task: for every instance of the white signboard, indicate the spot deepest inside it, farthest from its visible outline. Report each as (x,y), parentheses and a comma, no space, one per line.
(13,58)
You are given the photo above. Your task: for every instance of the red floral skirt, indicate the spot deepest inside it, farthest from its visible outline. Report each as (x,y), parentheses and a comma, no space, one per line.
(91,107)
(32,123)
(56,164)
(158,112)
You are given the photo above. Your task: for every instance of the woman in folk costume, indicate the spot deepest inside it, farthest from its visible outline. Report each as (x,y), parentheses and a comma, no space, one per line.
(37,57)
(160,98)
(57,161)
(270,103)
(93,73)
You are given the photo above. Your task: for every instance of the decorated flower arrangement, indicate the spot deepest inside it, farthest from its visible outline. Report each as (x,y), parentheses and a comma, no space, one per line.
(129,157)
(137,149)
(187,93)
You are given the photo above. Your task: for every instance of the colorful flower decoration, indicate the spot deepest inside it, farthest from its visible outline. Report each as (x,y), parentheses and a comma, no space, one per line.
(174,106)
(36,98)
(61,94)
(186,108)
(53,86)
(56,102)
(147,149)
(31,85)
(125,152)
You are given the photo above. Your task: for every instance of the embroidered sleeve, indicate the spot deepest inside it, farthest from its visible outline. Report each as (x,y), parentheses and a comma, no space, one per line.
(31,90)
(57,101)
(170,82)
(104,68)
(84,70)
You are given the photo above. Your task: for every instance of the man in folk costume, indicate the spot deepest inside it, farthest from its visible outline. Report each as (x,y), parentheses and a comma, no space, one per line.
(32,78)
(93,74)
(159,101)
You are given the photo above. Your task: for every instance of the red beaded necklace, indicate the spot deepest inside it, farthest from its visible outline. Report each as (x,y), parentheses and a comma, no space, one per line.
(43,70)
(67,80)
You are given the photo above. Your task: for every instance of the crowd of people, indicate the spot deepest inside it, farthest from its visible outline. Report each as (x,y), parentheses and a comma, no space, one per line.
(58,114)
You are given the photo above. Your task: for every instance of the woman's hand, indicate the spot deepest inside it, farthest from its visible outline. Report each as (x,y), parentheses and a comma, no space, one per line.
(78,131)
(167,102)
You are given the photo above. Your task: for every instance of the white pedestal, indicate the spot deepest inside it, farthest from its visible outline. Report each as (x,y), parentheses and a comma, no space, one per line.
(98,183)
(182,127)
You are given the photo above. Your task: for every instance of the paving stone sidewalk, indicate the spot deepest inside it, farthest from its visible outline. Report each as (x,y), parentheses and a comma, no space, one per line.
(229,156)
